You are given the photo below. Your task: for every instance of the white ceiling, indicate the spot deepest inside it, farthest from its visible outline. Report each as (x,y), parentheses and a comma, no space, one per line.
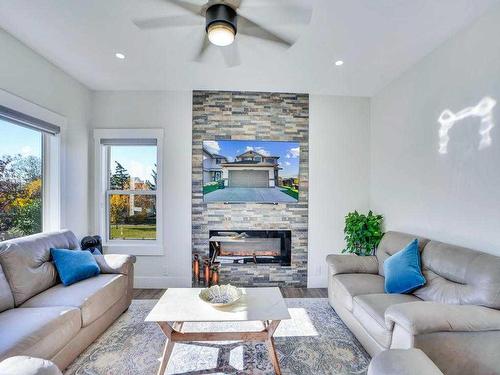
(377,39)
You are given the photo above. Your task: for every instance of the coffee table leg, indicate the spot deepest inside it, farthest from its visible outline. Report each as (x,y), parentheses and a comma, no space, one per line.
(271,347)
(273,356)
(270,328)
(169,346)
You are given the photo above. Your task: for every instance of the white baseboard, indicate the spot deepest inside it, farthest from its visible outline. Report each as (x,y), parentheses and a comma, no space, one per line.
(161,282)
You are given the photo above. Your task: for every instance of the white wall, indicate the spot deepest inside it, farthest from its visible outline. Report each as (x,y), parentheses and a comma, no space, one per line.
(171,111)
(26,74)
(339,164)
(453,197)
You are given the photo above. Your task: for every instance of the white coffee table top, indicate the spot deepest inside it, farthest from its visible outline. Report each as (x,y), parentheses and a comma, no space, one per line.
(184,305)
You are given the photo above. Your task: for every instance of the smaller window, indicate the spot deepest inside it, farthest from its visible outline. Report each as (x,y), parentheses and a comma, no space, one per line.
(129,193)
(132,192)
(217,175)
(217,161)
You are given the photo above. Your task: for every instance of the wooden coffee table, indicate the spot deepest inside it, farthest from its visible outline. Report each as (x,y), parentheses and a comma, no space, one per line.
(181,305)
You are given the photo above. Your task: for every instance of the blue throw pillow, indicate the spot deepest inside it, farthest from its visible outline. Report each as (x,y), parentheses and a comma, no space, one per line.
(402,270)
(74,265)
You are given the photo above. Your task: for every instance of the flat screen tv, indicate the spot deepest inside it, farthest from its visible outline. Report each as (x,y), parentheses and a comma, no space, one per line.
(251,171)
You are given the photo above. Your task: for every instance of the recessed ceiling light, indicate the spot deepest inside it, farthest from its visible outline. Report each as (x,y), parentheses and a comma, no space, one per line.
(339,63)
(119,55)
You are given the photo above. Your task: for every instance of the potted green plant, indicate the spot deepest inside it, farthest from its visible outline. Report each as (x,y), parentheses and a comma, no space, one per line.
(362,233)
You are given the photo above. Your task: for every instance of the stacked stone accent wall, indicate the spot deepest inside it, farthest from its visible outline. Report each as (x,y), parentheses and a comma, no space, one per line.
(252,116)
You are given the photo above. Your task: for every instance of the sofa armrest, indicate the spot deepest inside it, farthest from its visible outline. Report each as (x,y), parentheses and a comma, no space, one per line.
(426,317)
(115,263)
(341,263)
(402,362)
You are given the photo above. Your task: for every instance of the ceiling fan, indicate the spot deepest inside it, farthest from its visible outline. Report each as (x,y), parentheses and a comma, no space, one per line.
(223,21)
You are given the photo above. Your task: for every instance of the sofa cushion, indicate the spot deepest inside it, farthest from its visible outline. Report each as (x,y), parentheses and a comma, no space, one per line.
(347,286)
(6,298)
(402,362)
(370,310)
(93,296)
(116,263)
(391,243)
(457,275)
(38,332)
(26,262)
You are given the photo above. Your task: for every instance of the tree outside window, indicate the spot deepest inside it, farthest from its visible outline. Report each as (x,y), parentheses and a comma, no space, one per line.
(20,181)
(132,192)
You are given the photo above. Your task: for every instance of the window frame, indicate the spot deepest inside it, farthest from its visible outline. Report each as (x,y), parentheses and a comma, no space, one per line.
(52,163)
(102,193)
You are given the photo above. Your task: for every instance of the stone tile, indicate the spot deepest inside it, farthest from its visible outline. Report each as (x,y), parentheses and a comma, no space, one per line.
(248,116)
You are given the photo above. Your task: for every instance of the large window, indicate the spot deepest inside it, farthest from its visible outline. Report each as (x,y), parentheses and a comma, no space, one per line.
(29,168)
(20,180)
(130,184)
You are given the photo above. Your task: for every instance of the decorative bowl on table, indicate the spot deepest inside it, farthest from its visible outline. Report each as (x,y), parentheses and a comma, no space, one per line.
(220,295)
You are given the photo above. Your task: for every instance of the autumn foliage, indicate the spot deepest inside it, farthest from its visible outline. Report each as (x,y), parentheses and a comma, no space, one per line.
(20,196)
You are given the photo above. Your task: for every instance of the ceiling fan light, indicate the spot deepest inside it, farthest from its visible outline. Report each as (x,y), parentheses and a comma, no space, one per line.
(221,34)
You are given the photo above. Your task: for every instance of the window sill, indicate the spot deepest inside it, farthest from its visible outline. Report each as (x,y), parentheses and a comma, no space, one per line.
(133,249)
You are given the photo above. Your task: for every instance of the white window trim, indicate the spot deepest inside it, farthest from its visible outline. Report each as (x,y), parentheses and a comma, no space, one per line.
(133,247)
(52,149)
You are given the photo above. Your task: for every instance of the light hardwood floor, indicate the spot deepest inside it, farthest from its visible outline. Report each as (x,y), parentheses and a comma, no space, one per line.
(287,293)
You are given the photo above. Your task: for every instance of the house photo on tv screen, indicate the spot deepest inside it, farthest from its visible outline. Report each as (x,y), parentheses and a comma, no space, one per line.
(251,171)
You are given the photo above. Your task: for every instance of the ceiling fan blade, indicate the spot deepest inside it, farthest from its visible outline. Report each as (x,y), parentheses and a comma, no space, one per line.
(203,48)
(279,15)
(250,28)
(190,7)
(168,21)
(231,54)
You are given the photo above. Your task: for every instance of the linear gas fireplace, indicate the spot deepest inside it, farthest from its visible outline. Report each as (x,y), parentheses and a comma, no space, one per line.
(245,247)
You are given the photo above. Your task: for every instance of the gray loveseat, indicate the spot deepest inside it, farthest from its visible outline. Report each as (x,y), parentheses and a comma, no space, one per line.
(39,316)
(454,318)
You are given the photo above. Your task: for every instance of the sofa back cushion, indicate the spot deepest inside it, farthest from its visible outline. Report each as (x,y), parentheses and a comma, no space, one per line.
(392,242)
(27,265)
(456,275)
(6,298)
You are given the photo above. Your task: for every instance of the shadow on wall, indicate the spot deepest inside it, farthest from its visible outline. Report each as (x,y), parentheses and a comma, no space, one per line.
(484,110)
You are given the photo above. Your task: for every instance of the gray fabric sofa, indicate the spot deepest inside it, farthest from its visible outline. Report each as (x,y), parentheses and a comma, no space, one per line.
(39,316)
(454,319)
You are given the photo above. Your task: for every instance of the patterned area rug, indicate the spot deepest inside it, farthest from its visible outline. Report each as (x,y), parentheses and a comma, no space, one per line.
(314,341)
